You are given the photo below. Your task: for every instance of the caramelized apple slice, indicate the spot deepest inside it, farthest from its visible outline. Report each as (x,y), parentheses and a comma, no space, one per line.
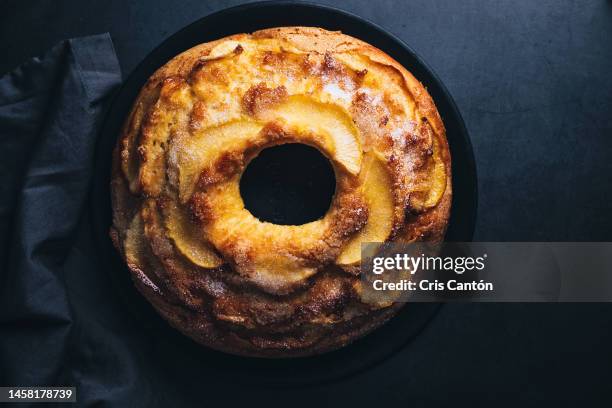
(311,116)
(377,187)
(188,239)
(427,194)
(190,155)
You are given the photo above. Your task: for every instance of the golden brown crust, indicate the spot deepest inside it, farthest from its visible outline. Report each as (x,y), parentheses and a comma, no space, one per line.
(228,280)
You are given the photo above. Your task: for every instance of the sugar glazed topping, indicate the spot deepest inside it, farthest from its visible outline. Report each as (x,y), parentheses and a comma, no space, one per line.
(212,269)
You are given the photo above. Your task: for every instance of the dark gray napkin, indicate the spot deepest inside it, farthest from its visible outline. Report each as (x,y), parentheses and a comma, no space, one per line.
(50,111)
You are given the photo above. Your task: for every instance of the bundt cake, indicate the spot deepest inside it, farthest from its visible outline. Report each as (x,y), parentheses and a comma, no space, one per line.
(212,269)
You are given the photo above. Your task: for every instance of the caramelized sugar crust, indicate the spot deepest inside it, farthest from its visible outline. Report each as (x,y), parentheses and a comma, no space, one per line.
(213,270)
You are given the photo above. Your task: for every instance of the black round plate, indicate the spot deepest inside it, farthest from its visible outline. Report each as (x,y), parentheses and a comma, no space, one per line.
(180,355)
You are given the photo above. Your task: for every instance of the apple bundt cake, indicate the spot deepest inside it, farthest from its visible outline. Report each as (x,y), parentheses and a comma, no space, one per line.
(212,269)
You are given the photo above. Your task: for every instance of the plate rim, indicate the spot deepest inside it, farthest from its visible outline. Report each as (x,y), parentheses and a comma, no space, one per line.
(148,64)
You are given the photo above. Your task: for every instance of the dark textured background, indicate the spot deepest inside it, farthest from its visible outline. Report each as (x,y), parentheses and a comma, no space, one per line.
(533,80)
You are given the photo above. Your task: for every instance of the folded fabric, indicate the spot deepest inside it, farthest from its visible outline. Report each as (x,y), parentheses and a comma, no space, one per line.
(50,111)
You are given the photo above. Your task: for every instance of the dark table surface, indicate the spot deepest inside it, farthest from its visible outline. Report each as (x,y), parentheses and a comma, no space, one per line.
(533,81)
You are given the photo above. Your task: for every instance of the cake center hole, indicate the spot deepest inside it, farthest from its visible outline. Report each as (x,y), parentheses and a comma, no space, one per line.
(290,184)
